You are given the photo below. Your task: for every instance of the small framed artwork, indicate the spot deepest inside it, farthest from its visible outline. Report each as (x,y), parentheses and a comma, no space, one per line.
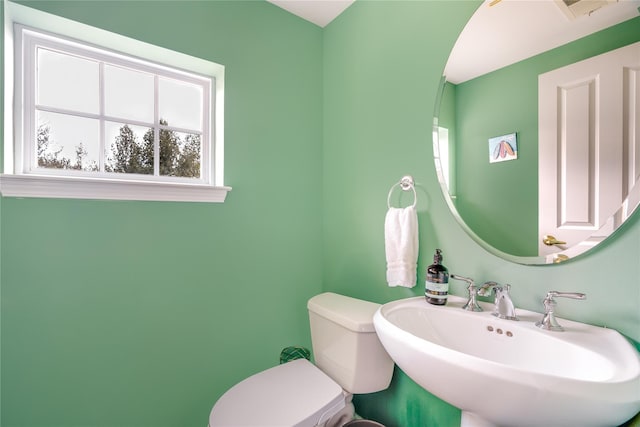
(503,148)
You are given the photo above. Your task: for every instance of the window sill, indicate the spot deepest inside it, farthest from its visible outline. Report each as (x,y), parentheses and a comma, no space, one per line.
(105,189)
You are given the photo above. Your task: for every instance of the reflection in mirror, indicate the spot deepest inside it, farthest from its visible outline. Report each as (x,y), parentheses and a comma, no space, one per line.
(491,89)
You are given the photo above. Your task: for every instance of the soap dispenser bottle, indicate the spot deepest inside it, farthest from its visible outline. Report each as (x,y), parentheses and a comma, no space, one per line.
(437,283)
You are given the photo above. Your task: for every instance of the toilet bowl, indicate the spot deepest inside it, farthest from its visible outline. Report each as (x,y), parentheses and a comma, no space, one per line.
(348,359)
(296,394)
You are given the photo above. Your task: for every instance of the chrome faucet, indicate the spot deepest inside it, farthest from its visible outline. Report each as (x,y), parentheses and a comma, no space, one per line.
(549,321)
(472,304)
(503,306)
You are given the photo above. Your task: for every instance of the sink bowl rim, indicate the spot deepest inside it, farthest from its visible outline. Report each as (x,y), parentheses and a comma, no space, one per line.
(626,371)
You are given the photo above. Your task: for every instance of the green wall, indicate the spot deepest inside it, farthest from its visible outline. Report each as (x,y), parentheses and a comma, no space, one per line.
(383,62)
(108,321)
(144,313)
(497,199)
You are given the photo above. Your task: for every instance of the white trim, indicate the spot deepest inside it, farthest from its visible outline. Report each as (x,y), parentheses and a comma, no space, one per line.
(31,40)
(104,189)
(15,183)
(216,146)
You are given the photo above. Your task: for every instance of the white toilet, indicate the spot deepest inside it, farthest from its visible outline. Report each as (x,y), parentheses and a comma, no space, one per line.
(349,359)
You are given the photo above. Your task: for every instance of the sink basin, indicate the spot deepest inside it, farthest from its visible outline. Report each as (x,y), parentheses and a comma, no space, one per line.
(511,373)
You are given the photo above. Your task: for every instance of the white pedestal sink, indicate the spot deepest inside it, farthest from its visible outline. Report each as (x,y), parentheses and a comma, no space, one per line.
(511,373)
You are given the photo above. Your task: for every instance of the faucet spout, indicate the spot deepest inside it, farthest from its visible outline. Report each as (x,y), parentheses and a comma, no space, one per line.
(503,306)
(486,288)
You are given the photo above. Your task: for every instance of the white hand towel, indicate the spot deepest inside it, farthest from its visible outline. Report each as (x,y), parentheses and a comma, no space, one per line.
(401,246)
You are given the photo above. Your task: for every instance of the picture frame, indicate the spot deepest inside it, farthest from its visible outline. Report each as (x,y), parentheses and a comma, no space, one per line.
(503,148)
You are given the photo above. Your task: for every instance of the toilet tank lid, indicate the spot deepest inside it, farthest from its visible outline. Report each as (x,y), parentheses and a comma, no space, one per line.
(352,313)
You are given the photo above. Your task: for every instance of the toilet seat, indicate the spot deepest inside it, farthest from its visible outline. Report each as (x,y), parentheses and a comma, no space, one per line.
(295,394)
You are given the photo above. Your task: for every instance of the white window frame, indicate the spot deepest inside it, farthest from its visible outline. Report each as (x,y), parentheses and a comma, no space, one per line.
(19,179)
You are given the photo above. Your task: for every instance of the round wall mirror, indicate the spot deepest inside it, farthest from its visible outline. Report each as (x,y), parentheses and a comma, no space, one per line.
(537,135)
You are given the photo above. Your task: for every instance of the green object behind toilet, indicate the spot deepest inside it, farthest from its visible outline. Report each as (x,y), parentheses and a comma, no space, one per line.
(292,353)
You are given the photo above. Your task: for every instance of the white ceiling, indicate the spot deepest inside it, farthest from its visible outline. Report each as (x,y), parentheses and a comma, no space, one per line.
(513,30)
(498,35)
(320,12)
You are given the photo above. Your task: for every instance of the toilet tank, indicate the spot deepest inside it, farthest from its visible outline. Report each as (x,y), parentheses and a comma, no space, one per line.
(345,344)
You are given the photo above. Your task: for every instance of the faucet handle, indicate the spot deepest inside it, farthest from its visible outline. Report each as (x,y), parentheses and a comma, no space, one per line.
(472,304)
(573,295)
(549,321)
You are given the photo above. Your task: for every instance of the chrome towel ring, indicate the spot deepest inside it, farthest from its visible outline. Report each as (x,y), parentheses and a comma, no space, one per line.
(406,184)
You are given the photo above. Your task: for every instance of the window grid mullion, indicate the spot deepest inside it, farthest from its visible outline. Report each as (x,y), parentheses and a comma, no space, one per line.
(102,161)
(108,118)
(156,128)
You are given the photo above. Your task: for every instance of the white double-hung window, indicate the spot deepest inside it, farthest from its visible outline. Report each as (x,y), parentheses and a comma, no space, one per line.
(93,122)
